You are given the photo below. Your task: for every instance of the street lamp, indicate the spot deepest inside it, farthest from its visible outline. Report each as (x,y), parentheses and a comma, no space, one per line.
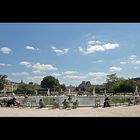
(136,90)
(4,91)
(93,92)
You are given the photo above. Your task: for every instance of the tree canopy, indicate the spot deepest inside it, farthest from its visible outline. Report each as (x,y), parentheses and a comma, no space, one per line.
(2,81)
(25,89)
(63,87)
(50,82)
(124,86)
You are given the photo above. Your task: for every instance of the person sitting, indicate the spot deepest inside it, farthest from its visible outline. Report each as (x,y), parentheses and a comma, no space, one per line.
(25,97)
(65,104)
(25,102)
(136,100)
(11,102)
(4,102)
(129,101)
(106,102)
(17,103)
(75,104)
(13,95)
(55,104)
(41,103)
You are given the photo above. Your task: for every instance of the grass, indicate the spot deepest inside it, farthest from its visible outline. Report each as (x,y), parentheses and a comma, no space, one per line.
(119,100)
(49,101)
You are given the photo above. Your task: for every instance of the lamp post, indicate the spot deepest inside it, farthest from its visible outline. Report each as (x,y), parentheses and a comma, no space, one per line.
(93,92)
(12,88)
(136,90)
(69,91)
(4,90)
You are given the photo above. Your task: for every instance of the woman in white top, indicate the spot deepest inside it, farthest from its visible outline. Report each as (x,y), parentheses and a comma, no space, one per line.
(13,96)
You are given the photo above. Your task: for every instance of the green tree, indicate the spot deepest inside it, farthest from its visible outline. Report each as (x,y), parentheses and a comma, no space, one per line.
(2,81)
(124,86)
(89,88)
(76,89)
(82,88)
(111,80)
(50,82)
(25,89)
(116,86)
(31,83)
(63,87)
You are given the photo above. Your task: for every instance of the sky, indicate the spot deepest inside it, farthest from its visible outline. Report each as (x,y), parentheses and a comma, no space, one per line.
(71,52)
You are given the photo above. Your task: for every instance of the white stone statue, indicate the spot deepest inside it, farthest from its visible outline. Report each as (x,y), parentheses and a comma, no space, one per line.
(94,91)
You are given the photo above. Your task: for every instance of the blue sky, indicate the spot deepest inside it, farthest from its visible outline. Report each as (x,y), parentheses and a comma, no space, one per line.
(72,52)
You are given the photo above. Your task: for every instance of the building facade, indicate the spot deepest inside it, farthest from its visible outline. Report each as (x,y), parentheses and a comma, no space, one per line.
(10,87)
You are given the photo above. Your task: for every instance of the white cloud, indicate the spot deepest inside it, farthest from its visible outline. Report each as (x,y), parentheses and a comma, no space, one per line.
(98,61)
(37,79)
(31,48)
(74,77)
(94,82)
(37,67)
(92,42)
(115,69)
(99,78)
(60,51)
(36,72)
(132,57)
(42,67)
(136,67)
(69,72)
(87,35)
(5,50)
(109,46)
(123,62)
(56,74)
(26,64)
(95,46)
(136,62)
(20,74)
(5,65)
(97,74)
